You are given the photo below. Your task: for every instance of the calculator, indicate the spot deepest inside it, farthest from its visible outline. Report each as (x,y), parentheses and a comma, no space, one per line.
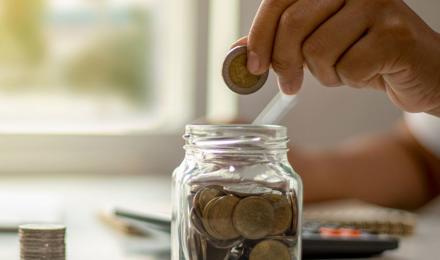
(319,241)
(336,242)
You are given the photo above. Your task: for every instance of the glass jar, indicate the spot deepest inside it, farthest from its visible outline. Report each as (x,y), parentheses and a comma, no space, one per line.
(235,195)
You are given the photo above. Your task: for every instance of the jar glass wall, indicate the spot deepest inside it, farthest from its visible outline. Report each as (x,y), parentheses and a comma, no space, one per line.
(235,195)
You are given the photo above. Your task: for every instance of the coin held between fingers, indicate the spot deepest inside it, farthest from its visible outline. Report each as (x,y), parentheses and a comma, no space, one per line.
(236,74)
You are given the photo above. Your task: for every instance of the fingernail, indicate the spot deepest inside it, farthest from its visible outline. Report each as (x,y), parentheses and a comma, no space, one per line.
(253,63)
(287,87)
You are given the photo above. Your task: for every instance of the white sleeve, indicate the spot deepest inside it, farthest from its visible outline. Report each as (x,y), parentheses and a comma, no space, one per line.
(426,128)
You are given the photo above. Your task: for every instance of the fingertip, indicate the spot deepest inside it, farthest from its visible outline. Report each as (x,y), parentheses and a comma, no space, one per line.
(240,42)
(289,86)
(253,63)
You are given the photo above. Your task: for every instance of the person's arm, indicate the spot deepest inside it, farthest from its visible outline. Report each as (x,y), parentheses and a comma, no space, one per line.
(390,170)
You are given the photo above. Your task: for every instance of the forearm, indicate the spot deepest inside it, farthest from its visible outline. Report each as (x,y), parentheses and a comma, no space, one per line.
(386,170)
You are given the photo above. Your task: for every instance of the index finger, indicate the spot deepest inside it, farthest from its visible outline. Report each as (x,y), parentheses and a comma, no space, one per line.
(240,42)
(262,34)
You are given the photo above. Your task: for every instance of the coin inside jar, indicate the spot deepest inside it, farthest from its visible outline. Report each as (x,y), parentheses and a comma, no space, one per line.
(282,213)
(253,217)
(270,250)
(236,75)
(218,217)
(294,203)
(204,196)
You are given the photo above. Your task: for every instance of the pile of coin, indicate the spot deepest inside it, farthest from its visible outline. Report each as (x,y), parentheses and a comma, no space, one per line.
(42,241)
(236,75)
(246,220)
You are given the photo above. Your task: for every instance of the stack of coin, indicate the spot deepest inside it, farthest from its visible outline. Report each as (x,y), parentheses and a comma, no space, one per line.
(236,75)
(42,241)
(260,221)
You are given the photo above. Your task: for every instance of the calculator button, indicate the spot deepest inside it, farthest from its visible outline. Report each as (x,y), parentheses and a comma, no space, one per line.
(340,232)
(350,232)
(330,232)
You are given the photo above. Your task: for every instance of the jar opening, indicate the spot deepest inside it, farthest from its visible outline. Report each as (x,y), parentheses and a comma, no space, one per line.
(236,138)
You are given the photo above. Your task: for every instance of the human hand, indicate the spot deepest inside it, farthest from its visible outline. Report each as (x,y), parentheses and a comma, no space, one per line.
(378,44)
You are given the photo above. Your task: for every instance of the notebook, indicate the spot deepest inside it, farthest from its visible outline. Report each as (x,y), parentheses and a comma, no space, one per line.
(351,213)
(358,214)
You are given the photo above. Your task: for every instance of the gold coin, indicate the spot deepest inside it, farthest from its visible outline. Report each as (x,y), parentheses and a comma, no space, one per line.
(294,205)
(197,221)
(253,217)
(282,213)
(236,75)
(270,250)
(204,196)
(205,221)
(218,217)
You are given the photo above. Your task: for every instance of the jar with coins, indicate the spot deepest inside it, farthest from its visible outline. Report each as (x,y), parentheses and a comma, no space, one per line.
(235,195)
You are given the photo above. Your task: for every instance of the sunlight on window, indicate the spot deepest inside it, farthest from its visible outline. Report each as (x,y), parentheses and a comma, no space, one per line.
(75,62)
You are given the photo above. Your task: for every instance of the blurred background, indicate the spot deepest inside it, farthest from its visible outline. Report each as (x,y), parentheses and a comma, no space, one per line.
(108,85)
(94,97)
(65,63)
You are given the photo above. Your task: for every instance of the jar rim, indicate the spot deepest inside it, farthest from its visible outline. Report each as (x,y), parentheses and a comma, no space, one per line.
(279,130)
(236,138)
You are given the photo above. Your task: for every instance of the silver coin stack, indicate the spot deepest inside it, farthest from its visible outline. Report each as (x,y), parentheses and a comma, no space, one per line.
(42,241)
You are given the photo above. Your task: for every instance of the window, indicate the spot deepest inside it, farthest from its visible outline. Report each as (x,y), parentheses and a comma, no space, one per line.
(79,65)
(107,85)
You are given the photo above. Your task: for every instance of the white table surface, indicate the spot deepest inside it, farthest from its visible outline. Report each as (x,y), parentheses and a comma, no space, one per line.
(88,238)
